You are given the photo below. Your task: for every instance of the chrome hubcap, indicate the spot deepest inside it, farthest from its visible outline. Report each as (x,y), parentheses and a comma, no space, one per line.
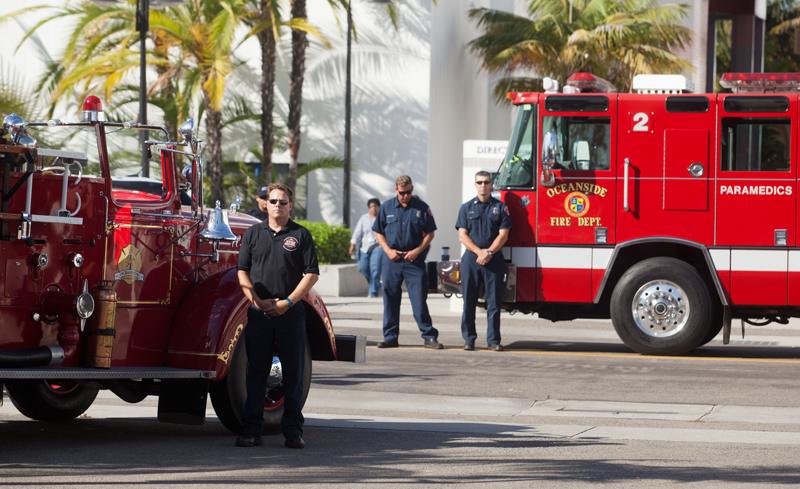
(660,308)
(275,373)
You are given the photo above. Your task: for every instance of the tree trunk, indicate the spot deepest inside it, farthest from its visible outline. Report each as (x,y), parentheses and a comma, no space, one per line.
(267,40)
(169,89)
(299,45)
(214,151)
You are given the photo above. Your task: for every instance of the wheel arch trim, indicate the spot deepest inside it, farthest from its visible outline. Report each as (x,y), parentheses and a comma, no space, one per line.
(683,242)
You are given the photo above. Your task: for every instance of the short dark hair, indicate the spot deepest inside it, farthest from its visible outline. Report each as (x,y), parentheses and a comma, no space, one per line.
(402,181)
(373,201)
(284,188)
(483,174)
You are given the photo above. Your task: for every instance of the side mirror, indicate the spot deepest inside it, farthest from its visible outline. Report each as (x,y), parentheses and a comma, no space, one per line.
(187,132)
(549,157)
(193,174)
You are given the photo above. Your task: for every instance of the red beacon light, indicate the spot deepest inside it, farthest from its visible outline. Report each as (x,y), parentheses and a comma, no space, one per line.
(517,98)
(761,82)
(588,83)
(92,110)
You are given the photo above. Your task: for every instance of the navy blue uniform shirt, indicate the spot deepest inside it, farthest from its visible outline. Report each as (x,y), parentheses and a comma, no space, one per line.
(483,220)
(403,226)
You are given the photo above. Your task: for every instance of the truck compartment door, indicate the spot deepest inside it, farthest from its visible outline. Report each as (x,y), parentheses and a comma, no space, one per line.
(685,170)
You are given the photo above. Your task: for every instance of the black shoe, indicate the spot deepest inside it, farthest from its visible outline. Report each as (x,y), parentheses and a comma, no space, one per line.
(388,344)
(469,345)
(433,344)
(496,347)
(249,441)
(295,442)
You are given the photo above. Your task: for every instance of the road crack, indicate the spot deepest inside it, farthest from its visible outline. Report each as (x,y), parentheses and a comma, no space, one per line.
(713,408)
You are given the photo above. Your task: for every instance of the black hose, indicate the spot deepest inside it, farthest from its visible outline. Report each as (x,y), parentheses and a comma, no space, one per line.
(41,356)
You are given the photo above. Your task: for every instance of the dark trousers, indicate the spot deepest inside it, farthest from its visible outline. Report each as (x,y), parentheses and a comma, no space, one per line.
(394,273)
(491,275)
(288,334)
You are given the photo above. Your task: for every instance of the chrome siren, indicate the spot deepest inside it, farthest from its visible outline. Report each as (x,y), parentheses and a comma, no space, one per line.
(218,227)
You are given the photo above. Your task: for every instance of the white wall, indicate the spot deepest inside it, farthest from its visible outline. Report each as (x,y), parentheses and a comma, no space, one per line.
(461,108)
(390,77)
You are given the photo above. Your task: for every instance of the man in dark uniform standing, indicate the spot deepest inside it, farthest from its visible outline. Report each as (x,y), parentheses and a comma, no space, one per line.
(483,226)
(277,267)
(261,208)
(404,228)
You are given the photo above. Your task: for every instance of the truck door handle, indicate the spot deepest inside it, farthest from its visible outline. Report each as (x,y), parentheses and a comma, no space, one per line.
(625,186)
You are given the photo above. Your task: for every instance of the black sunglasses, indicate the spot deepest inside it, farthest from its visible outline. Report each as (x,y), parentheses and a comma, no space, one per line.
(275,201)
(404,193)
(483,182)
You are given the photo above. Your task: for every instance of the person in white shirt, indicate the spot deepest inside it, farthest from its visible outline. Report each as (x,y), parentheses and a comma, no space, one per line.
(370,253)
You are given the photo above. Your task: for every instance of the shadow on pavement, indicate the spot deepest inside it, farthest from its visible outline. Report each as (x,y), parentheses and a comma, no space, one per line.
(116,452)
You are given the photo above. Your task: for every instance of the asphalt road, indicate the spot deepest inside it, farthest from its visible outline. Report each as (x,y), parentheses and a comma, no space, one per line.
(566,405)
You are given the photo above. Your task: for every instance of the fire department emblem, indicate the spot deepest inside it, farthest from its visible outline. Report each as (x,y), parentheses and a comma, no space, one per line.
(129,265)
(576,204)
(290,244)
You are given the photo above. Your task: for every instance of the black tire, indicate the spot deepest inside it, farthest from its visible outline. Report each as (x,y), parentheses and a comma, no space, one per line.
(716,325)
(229,394)
(46,400)
(674,309)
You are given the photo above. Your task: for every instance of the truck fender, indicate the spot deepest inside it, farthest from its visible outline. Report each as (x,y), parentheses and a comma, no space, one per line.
(208,324)
(707,259)
(212,318)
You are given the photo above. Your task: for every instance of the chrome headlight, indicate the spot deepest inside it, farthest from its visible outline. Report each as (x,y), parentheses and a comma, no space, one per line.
(85,305)
(39,259)
(75,259)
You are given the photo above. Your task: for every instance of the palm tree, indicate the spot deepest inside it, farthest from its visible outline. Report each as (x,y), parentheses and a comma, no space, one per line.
(783,28)
(195,42)
(267,12)
(299,46)
(614,39)
(206,31)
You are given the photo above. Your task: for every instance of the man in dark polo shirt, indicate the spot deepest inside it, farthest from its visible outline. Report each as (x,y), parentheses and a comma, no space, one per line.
(259,211)
(404,228)
(277,267)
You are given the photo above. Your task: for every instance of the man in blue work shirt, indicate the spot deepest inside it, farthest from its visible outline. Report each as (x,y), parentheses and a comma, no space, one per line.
(404,229)
(483,226)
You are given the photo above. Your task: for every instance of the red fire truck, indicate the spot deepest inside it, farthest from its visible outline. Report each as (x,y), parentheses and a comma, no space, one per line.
(120,289)
(669,212)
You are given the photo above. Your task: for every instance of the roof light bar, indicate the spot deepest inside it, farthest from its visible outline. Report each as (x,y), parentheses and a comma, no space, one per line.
(517,98)
(662,84)
(588,83)
(761,82)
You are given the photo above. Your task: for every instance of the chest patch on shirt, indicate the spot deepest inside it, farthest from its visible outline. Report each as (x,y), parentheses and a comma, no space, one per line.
(290,244)
(419,214)
(495,211)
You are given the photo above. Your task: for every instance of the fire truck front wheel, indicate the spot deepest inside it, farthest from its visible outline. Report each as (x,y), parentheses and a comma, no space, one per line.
(661,306)
(229,394)
(50,400)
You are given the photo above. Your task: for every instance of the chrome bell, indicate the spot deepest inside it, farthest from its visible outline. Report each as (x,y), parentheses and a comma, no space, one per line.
(218,227)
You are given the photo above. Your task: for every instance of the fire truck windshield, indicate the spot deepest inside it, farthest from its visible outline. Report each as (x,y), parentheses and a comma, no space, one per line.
(517,167)
(583,142)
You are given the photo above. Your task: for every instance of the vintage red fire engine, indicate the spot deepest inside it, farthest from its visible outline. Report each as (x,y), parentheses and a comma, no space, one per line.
(126,290)
(668,212)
